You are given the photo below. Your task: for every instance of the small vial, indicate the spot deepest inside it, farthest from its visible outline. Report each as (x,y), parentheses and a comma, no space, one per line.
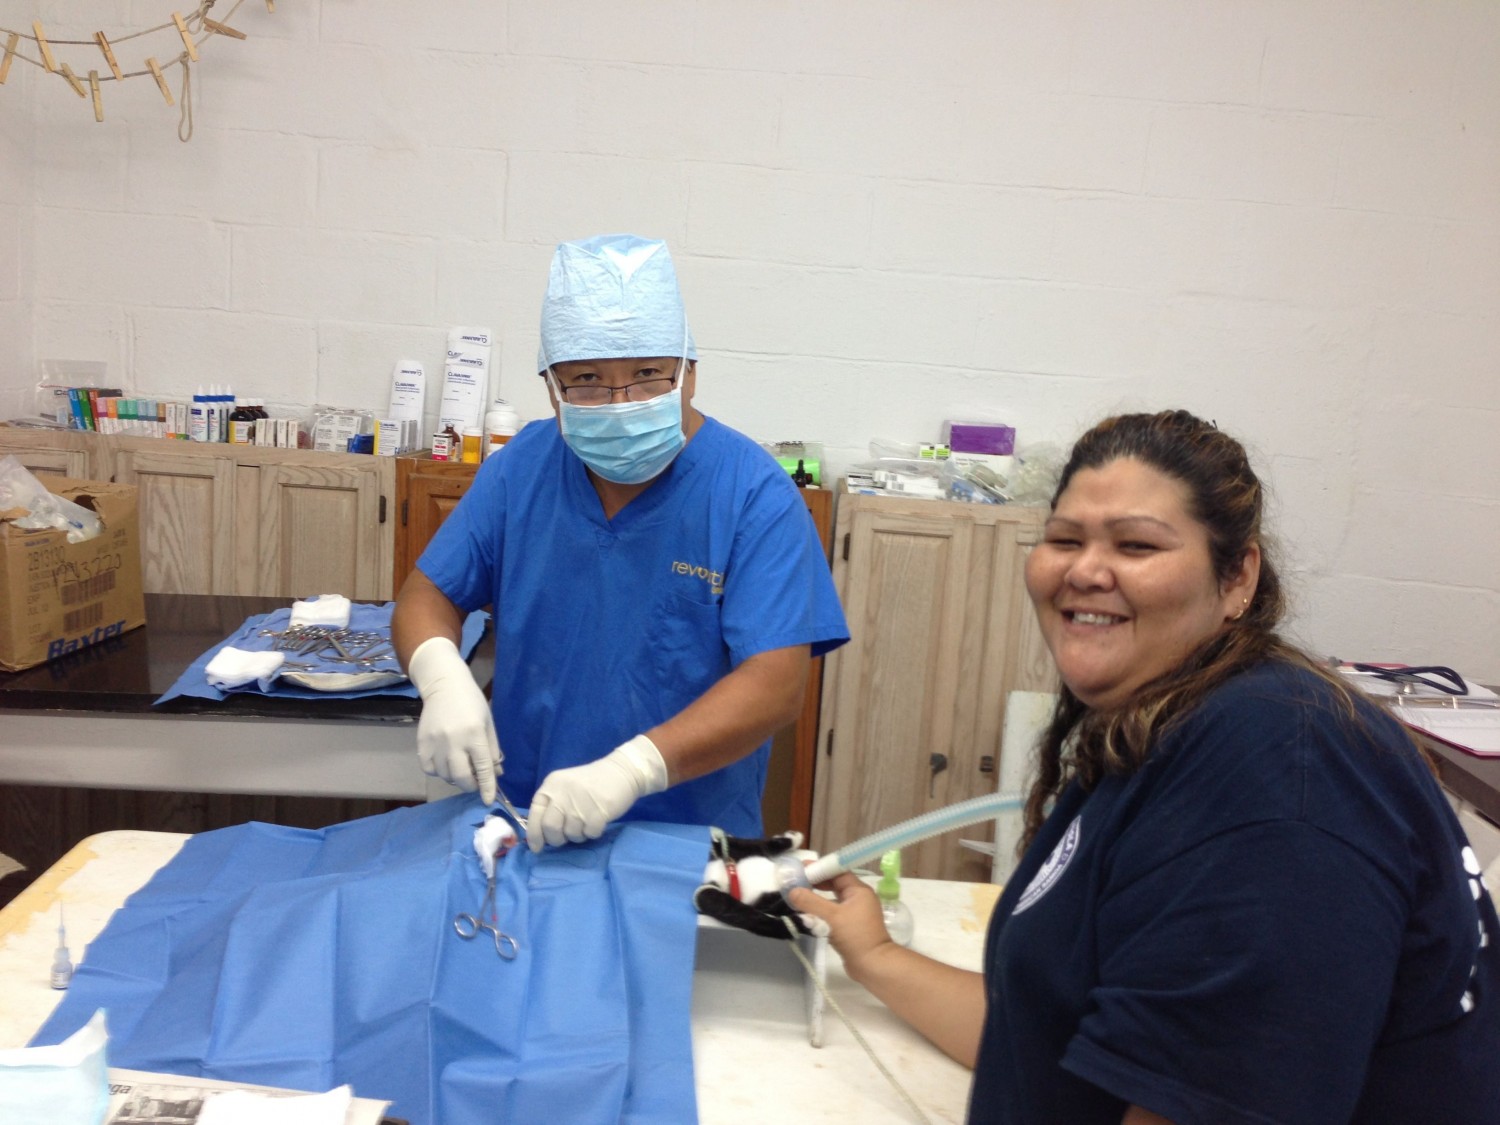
(445,445)
(242,423)
(472,447)
(62,964)
(899,922)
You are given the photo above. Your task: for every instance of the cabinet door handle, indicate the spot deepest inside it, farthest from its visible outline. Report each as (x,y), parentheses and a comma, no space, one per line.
(938,763)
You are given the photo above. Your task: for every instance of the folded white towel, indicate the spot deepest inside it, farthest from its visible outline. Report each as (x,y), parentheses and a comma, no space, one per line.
(326,609)
(247,1107)
(231,667)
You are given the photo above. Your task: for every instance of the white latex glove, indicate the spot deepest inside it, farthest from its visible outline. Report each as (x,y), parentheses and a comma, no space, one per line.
(455,735)
(578,803)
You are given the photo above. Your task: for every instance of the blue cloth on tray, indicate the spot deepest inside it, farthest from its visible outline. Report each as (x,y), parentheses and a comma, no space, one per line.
(306,959)
(363,617)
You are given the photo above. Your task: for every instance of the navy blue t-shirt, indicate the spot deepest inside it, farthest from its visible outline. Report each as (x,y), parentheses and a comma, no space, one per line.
(1276,919)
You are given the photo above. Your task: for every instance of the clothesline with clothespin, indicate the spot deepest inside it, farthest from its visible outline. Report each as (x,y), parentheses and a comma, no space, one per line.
(193,30)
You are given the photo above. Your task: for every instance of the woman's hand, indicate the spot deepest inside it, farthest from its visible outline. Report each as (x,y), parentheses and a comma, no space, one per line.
(855,923)
(944,1003)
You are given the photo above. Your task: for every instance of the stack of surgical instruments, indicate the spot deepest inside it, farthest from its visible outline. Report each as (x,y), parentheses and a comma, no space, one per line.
(364,649)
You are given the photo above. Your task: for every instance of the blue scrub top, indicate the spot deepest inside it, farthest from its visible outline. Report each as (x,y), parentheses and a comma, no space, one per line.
(606,628)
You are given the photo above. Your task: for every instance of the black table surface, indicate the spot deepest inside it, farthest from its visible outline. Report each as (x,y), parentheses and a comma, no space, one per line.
(126,674)
(1471,776)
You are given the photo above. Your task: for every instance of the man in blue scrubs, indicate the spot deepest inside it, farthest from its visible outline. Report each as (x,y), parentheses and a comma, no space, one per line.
(657,582)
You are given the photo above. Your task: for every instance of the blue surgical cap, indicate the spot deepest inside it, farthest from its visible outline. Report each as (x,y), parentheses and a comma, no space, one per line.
(610,297)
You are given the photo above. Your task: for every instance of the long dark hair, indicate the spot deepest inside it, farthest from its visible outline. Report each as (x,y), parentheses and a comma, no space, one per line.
(1226,498)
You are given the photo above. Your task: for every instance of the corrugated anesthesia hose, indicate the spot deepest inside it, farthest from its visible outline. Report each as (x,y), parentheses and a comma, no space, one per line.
(918,828)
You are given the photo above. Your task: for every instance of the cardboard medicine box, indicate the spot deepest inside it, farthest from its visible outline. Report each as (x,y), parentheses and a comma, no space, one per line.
(990,438)
(57,597)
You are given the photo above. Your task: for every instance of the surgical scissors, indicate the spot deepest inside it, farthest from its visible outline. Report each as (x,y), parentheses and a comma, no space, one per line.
(468,926)
(510,808)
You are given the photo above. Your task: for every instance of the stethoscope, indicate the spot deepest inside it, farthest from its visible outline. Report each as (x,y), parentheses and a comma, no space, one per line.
(1408,680)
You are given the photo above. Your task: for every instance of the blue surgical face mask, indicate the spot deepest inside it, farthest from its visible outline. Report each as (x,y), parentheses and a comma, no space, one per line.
(626,442)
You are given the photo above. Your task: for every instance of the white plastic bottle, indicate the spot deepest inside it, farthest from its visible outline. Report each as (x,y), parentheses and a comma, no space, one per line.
(214,412)
(198,420)
(500,425)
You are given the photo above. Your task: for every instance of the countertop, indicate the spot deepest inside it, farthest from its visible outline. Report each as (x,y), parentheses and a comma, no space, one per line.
(126,674)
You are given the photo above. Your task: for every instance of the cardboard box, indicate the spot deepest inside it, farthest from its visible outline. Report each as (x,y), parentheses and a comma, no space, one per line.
(1001,465)
(57,597)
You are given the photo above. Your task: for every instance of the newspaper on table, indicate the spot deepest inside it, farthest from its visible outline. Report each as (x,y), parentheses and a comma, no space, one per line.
(138,1097)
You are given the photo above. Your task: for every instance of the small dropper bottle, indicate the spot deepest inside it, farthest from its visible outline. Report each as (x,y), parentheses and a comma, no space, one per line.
(62,964)
(899,922)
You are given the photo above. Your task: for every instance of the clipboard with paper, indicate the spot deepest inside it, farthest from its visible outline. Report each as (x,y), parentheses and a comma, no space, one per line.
(1467,719)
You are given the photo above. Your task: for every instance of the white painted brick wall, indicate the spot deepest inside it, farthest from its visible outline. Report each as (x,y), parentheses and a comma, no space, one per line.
(1283,216)
(457,193)
(351,276)
(180,350)
(746,213)
(131,259)
(12,217)
(84,330)
(1071,142)
(235,178)
(17,197)
(454,25)
(552,191)
(985,232)
(1236,152)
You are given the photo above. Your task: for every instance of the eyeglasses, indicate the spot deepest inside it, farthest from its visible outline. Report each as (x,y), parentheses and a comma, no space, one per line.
(597,394)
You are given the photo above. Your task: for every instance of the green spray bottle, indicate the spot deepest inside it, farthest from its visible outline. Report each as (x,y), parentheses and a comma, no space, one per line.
(899,922)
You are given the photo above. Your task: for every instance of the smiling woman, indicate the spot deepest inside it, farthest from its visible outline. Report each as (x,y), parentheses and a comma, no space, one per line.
(1124,582)
(1155,539)
(1204,777)
(1243,897)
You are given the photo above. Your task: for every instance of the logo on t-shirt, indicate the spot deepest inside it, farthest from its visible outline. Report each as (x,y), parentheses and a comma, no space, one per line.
(1477,888)
(714,579)
(1052,870)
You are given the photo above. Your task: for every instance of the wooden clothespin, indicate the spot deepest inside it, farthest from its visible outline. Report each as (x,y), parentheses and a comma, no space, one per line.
(109,55)
(10,52)
(161,82)
(187,40)
(67,72)
(98,101)
(41,41)
(222,29)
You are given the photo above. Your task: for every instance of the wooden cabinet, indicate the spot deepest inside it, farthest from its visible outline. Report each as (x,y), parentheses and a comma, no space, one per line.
(323,527)
(58,453)
(941,631)
(186,503)
(239,519)
(427,491)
